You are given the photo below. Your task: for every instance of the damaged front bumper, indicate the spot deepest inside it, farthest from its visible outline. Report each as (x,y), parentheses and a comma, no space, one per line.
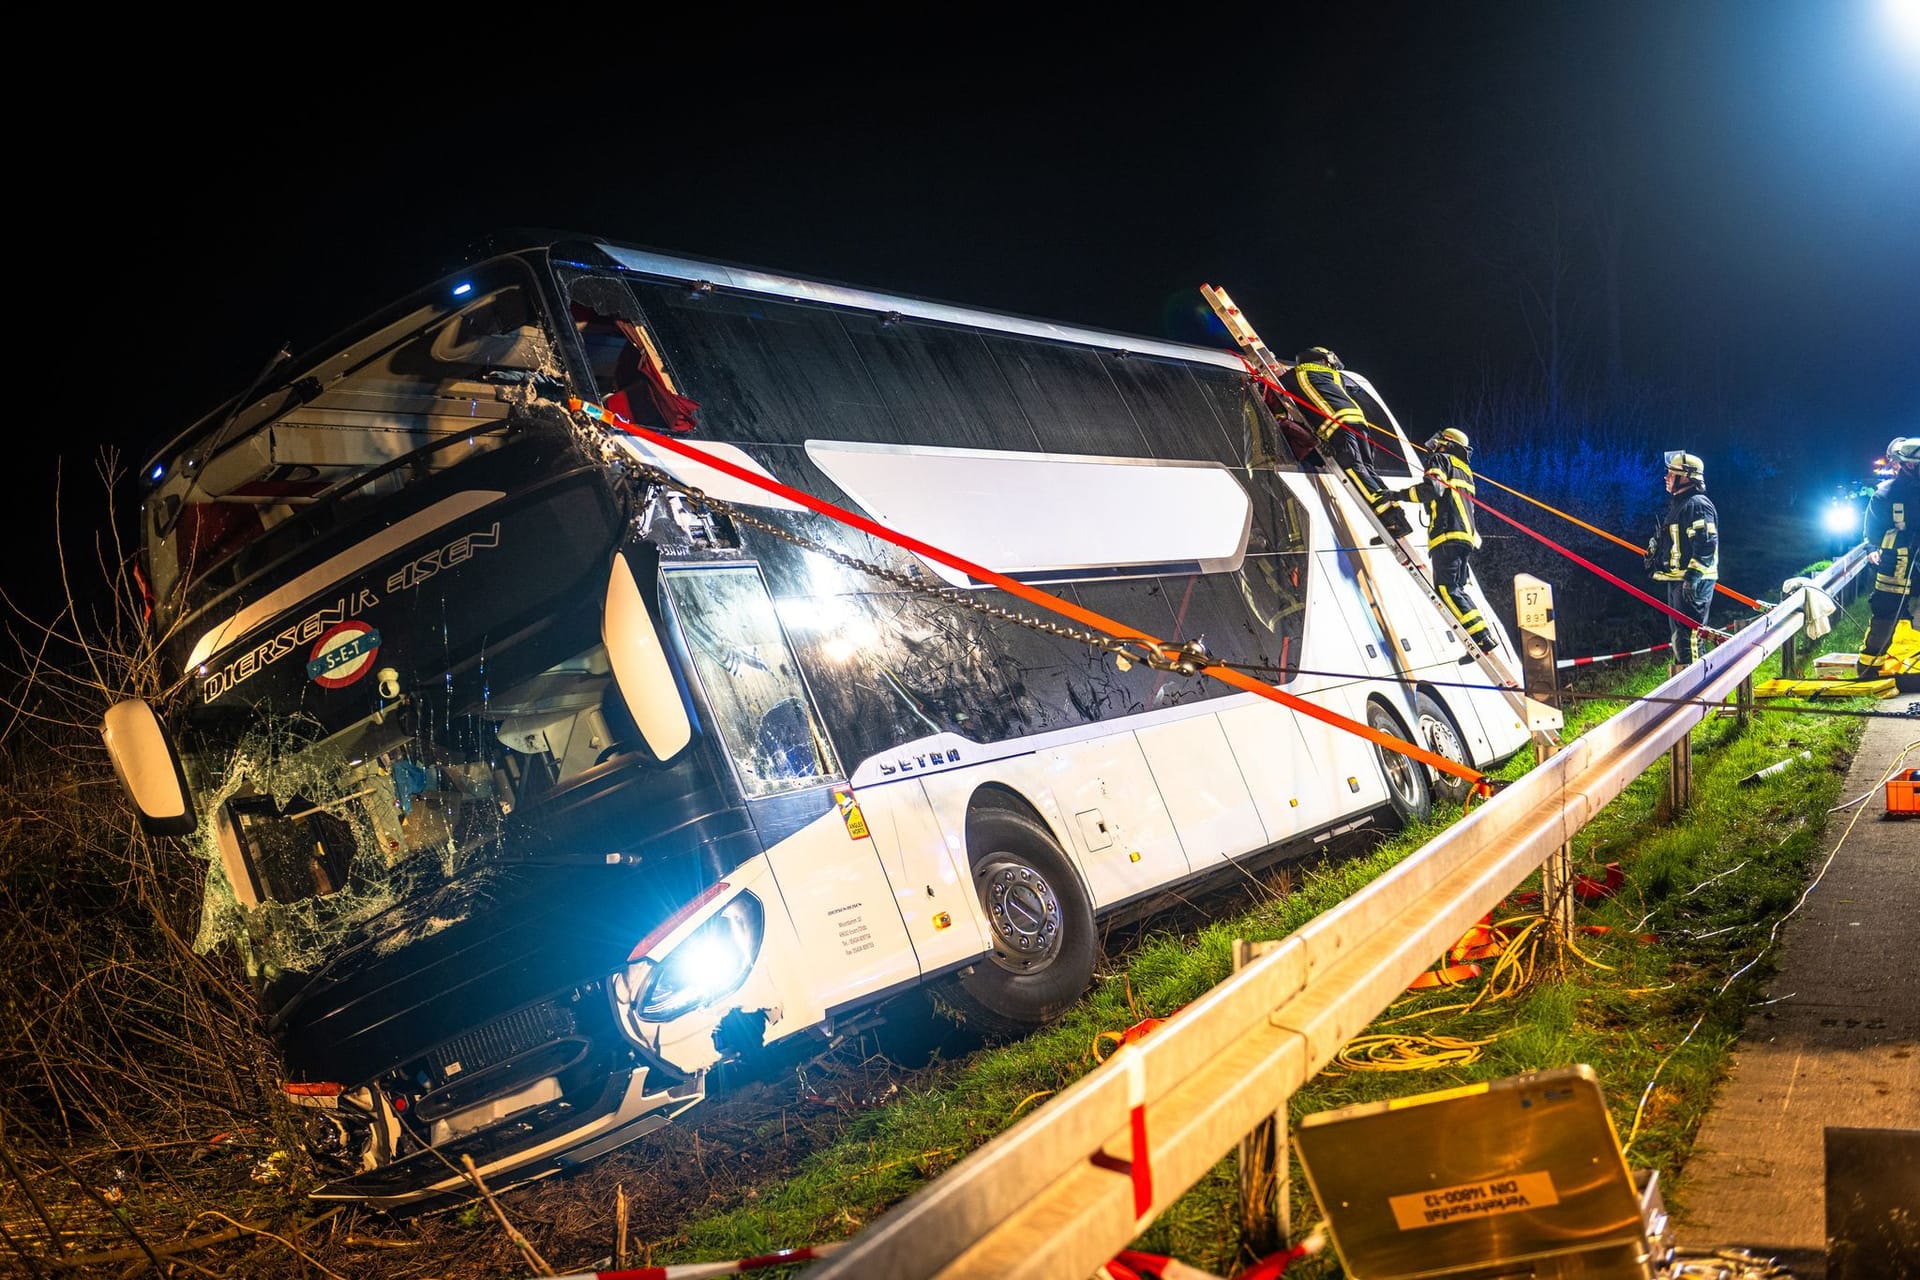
(533,1143)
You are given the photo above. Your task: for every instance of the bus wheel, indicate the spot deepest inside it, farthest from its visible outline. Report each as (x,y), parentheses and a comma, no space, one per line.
(1440,735)
(1041,921)
(1406,778)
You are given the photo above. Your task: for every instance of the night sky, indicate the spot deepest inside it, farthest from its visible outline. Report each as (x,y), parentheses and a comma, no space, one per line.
(1385,179)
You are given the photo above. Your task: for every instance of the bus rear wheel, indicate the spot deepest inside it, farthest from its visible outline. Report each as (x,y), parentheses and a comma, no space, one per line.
(1441,735)
(1406,778)
(1041,925)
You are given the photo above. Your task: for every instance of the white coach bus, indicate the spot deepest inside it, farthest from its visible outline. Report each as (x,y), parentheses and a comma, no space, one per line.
(533,788)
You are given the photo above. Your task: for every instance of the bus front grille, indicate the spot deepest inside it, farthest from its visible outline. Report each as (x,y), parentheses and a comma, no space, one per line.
(502,1039)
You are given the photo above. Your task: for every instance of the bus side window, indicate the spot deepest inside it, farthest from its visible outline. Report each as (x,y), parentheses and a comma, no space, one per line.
(751,678)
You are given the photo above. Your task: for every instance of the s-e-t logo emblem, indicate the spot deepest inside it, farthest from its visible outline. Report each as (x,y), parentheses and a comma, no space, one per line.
(343,655)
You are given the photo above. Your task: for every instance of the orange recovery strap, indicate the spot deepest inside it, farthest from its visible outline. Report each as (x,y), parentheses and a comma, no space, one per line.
(1447,975)
(1618,541)
(1039,599)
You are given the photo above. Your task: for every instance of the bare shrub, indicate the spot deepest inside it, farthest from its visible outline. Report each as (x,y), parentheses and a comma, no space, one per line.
(118,1041)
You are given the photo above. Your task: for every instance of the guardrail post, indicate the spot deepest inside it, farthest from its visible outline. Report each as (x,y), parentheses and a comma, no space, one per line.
(1790,657)
(1679,792)
(1556,873)
(1743,704)
(1265,1203)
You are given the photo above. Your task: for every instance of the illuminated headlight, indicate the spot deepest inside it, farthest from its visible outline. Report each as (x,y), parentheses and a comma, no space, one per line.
(1840,518)
(713,961)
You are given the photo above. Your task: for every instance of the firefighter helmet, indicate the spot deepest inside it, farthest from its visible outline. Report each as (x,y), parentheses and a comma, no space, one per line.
(1451,439)
(1904,451)
(1319,355)
(1687,464)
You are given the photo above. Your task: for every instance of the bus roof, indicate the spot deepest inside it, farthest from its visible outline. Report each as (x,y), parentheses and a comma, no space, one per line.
(652,262)
(793,288)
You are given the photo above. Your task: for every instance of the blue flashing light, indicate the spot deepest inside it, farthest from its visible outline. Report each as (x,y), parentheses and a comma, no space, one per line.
(462,289)
(159,470)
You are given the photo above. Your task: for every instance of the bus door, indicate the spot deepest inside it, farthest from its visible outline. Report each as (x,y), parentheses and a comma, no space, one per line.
(931,874)
(1359,632)
(1345,661)
(852,938)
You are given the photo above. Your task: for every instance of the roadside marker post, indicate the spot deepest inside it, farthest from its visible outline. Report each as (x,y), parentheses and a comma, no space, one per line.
(1540,678)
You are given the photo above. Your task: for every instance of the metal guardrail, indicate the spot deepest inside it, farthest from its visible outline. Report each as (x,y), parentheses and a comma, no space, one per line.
(1062,1191)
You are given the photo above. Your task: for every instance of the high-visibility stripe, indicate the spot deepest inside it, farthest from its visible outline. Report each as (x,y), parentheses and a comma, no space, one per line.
(1471,620)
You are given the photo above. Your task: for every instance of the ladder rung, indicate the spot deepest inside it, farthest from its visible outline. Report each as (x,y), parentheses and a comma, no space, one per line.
(1250,342)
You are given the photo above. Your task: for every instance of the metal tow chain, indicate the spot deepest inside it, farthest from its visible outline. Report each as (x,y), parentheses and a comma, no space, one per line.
(1185,659)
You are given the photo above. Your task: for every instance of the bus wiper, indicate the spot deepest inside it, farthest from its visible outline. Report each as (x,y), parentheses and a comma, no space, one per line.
(214,441)
(280,357)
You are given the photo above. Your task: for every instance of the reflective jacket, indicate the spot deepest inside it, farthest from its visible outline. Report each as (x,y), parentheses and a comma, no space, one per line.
(1323,387)
(1447,494)
(1687,543)
(1893,529)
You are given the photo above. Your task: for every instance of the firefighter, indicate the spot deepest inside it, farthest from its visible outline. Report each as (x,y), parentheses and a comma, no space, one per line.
(1684,553)
(1893,531)
(1446,491)
(1340,426)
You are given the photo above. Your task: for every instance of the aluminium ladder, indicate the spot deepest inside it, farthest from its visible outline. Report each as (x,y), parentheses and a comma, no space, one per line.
(1264,363)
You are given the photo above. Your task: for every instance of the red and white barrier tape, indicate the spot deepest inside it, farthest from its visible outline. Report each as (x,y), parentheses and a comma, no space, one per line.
(1131,1264)
(1138,1169)
(703,1270)
(1610,657)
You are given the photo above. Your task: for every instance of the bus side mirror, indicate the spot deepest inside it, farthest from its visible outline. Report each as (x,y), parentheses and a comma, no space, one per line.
(640,667)
(149,768)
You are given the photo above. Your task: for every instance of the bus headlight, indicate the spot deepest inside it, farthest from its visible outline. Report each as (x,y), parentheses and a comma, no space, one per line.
(713,962)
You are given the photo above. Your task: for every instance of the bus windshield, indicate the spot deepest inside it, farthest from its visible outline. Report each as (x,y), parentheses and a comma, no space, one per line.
(420,394)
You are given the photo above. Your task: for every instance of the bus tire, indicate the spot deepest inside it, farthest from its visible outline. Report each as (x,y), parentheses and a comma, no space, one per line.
(1040,922)
(1406,778)
(1440,734)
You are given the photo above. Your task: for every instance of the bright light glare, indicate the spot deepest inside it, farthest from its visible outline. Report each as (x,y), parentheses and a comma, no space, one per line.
(1841,518)
(711,962)
(1903,21)
(159,469)
(461,290)
(716,963)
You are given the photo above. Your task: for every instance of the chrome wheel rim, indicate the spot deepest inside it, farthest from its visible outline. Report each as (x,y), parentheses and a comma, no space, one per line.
(1025,914)
(1400,776)
(1442,741)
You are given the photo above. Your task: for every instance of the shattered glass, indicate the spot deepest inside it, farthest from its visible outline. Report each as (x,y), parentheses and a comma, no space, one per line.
(371,822)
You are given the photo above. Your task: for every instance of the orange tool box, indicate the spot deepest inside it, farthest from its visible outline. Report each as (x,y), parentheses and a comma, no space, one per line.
(1903,795)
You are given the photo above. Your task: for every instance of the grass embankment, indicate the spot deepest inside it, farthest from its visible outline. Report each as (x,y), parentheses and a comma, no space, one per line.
(1707,888)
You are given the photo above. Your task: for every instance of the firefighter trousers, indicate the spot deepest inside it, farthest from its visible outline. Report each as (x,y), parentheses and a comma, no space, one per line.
(1694,598)
(1348,452)
(1886,610)
(1450,580)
